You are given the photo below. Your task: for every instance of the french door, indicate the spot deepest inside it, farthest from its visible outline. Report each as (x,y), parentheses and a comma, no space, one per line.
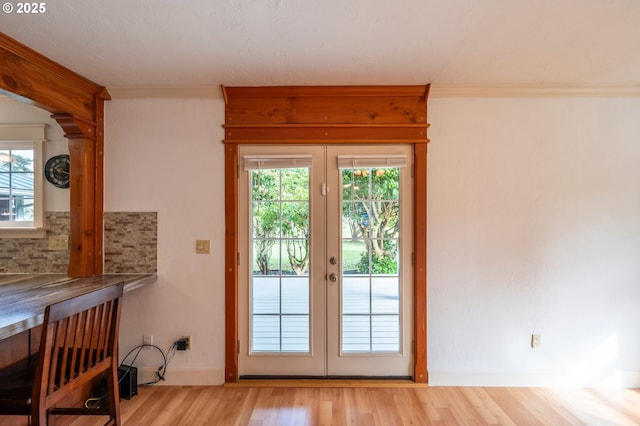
(325,280)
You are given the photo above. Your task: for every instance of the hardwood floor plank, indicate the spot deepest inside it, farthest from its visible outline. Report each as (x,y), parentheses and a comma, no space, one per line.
(350,406)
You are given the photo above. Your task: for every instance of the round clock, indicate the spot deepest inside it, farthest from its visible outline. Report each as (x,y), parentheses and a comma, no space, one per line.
(56,170)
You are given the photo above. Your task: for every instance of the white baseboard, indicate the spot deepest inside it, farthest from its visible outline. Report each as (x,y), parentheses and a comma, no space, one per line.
(601,379)
(183,377)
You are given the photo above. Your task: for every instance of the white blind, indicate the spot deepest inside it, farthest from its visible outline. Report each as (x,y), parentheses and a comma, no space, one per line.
(366,161)
(256,162)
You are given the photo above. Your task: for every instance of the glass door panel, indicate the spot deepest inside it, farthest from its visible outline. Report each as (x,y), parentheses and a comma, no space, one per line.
(282,293)
(372,217)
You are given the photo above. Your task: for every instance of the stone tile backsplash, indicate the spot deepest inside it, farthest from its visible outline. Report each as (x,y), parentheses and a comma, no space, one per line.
(32,255)
(130,242)
(130,245)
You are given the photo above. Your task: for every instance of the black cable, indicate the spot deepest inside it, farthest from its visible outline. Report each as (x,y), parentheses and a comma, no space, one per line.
(162,368)
(161,371)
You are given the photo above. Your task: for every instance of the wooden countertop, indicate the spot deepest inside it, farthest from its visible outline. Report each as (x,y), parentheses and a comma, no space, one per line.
(23,297)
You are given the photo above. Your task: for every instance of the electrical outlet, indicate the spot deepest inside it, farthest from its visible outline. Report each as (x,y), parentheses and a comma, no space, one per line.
(147,340)
(536,340)
(183,343)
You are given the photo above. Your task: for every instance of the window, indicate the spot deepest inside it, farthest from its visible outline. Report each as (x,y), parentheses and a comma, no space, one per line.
(21,186)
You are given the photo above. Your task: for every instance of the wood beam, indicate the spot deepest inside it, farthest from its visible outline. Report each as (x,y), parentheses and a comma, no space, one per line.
(77,105)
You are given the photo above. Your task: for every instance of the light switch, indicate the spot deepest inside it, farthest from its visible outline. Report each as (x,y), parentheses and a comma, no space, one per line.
(202,246)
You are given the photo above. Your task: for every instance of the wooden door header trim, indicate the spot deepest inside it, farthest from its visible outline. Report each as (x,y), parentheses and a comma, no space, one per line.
(323,91)
(329,115)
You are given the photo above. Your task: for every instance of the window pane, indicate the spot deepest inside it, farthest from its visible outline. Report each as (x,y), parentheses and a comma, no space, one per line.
(354,257)
(266,219)
(5,160)
(295,333)
(265,336)
(356,295)
(22,160)
(295,295)
(266,256)
(385,295)
(266,295)
(356,333)
(295,257)
(295,220)
(295,184)
(385,333)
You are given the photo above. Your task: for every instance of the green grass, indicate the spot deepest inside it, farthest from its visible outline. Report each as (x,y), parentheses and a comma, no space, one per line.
(351,253)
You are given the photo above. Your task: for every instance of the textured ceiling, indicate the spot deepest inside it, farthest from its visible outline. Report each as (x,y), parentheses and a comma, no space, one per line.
(205,43)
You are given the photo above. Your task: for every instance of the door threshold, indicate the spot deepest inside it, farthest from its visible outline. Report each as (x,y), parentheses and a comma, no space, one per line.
(324,382)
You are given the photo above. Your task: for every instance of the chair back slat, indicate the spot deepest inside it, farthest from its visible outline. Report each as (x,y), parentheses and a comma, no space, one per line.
(76,327)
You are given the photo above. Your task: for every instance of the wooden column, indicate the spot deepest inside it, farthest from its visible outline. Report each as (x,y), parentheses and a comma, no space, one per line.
(82,187)
(231,262)
(420,374)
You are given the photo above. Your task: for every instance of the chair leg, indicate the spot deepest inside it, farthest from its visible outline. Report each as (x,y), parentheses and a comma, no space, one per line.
(38,415)
(114,396)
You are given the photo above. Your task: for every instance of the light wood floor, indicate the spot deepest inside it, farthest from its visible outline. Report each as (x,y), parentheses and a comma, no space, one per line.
(260,406)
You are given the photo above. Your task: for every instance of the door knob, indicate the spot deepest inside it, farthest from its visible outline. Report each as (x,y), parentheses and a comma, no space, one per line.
(333,260)
(333,278)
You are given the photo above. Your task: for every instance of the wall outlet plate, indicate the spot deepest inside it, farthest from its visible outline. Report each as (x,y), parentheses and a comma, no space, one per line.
(536,341)
(58,242)
(203,246)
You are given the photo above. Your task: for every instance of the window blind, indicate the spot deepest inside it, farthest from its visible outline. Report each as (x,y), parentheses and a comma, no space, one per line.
(371,161)
(257,162)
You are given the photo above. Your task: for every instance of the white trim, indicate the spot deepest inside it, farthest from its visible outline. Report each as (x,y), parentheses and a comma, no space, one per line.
(533,91)
(436,91)
(204,92)
(556,379)
(22,132)
(183,376)
(23,232)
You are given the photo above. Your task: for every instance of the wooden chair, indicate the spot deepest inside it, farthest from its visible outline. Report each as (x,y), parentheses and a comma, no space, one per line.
(79,344)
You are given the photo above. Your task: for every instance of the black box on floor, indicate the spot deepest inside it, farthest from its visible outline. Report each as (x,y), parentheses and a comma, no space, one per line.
(128,380)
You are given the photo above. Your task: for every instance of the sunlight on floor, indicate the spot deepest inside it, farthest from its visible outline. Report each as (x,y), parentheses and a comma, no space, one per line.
(601,406)
(297,415)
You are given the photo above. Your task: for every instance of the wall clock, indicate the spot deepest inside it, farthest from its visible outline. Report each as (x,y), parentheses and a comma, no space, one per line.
(56,170)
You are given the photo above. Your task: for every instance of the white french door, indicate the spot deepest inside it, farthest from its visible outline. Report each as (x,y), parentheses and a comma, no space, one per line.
(325,279)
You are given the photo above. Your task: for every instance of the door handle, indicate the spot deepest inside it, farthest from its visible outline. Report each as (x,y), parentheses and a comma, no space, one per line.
(333,278)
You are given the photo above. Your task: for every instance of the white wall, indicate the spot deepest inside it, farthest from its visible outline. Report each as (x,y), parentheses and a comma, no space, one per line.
(17,112)
(534,226)
(166,156)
